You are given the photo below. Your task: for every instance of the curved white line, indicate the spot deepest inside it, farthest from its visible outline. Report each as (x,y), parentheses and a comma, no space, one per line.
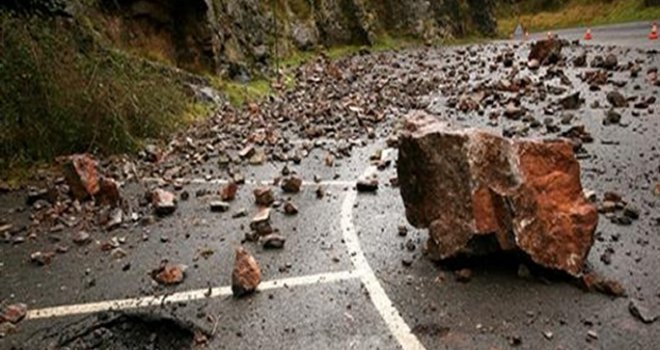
(386,309)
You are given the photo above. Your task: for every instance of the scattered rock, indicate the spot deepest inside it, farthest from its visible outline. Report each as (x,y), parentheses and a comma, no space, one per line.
(611,117)
(80,171)
(291,184)
(164,202)
(290,208)
(81,238)
(261,222)
(169,274)
(571,101)
(246,275)
(264,196)
(273,241)
(616,99)
(13,313)
(367,185)
(611,62)
(546,51)
(228,192)
(463,186)
(219,206)
(42,258)
(640,312)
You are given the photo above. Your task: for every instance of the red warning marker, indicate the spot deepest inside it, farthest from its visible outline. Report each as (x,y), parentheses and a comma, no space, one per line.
(587,35)
(654,32)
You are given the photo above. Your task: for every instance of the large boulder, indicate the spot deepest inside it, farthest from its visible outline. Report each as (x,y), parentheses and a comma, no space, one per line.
(477,192)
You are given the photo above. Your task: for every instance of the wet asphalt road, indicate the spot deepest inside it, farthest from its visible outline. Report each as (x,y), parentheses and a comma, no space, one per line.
(544,311)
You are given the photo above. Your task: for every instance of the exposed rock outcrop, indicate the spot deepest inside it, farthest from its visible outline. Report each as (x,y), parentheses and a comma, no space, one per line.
(214,35)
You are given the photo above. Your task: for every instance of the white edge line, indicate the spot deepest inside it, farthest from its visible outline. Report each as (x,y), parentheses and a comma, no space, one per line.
(396,324)
(198,294)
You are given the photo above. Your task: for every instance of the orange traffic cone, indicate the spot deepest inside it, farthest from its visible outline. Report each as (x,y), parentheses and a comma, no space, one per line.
(654,32)
(587,35)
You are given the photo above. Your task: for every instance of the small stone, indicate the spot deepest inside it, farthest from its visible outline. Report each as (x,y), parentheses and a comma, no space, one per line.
(259,157)
(118,253)
(228,192)
(219,206)
(42,258)
(329,160)
(611,117)
(13,313)
(403,230)
(611,62)
(116,218)
(163,201)
(261,222)
(571,101)
(640,312)
(533,64)
(246,276)
(631,212)
(407,261)
(592,334)
(291,184)
(273,241)
(290,208)
(548,335)
(320,192)
(81,238)
(168,274)
(264,196)
(616,99)
(367,185)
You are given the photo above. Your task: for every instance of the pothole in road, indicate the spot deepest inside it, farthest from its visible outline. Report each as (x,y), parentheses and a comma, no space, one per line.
(130,331)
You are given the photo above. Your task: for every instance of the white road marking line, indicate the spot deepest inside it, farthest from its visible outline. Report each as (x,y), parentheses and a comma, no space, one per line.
(192,295)
(338,183)
(386,309)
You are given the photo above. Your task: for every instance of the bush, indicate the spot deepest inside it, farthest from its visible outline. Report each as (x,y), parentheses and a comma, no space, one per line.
(60,92)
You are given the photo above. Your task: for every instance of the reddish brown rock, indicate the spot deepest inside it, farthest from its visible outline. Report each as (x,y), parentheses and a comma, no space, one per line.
(168,274)
(477,192)
(291,184)
(264,196)
(228,192)
(246,275)
(80,171)
(13,313)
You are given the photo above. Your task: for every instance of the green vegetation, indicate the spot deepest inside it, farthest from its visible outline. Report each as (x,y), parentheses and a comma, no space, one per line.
(537,15)
(62,93)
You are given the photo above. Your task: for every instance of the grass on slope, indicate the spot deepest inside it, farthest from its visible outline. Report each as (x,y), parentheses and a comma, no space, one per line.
(62,93)
(575,13)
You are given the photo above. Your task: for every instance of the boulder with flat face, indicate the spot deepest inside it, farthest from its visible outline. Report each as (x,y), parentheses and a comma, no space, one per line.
(477,192)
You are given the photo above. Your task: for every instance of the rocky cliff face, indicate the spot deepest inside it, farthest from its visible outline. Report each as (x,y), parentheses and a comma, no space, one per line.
(212,35)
